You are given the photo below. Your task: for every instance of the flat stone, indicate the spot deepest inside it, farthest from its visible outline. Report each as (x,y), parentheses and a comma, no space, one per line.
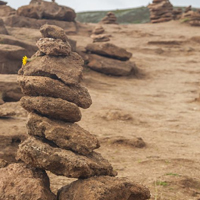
(45,86)
(98,30)
(54,108)
(54,47)
(68,136)
(110,66)
(67,69)
(52,31)
(109,50)
(39,154)
(103,187)
(100,37)
(21,182)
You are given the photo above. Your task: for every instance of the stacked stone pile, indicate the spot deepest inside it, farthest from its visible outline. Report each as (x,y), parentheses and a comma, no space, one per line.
(160,11)
(195,18)
(177,13)
(99,36)
(110,18)
(110,59)
(53,95)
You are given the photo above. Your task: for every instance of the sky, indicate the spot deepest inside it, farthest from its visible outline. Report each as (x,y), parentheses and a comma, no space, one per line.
(94,5)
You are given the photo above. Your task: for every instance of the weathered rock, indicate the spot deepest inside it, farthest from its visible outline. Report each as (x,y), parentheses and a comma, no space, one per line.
(177,13)
(53,47)
(6,11)
(111,66)
(187,9)
(47,10)
(109,50)
(68,136)
(54,108)
(52,31)
(67,69)
(194,18)
(103,187)
(20,21)
(62,162)
(8,39)
(44,86)
(161,11)
(101,38)
(10,58)
(98,30)
(110,18)
(9,88)
(3,29)
(21,182)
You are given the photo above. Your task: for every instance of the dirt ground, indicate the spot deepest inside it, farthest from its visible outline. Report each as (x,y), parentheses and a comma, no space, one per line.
(161,106)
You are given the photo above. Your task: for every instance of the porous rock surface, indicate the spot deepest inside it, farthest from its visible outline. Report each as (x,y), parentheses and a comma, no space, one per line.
(68,69)
(63,162)
(54,108)
(45,86)
(103,188)
(53,47)
(21,182)
(68,136)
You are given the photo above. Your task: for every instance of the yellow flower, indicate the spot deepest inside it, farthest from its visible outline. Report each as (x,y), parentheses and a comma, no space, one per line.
(24,60)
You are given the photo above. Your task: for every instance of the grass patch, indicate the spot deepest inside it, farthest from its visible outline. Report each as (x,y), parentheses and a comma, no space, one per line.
(162,183)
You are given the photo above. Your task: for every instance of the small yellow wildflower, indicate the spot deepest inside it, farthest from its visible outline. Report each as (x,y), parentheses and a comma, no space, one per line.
(24,60)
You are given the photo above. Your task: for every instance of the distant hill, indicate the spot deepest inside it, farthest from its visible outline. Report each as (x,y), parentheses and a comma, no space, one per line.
(138,15)
(126,16)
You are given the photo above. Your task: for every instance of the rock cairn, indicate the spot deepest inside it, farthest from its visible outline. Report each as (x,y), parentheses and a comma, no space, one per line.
(177,13)
(110,59)
(99,36)
(53,95)
(110,18)
(195,18)
(160,11)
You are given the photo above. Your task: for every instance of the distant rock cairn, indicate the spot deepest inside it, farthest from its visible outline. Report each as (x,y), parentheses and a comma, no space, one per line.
(161,11)
(53,95)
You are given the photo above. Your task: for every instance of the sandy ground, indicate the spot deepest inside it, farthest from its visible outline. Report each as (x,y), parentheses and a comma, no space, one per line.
(161,106)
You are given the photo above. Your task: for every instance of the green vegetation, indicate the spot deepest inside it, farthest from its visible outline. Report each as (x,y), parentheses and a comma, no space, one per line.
(162,183)
(172,174)
(125,16)
(138,15)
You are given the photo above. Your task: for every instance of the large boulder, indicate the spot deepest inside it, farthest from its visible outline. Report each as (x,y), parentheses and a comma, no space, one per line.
(11,58)
(54,108)
(47,10)
(110,66)
(42,155)
(68,136)
(103,188)
(21,182)
(109,50)
(67,69)
(45,86)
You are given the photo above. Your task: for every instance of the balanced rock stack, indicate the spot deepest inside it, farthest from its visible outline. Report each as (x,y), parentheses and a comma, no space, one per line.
(53,95)
(110,59)
(98,36)
(110,18)
(177,13)
(160,11)
(195,18)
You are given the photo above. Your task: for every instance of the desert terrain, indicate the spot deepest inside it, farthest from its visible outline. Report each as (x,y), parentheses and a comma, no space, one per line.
(160,105)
